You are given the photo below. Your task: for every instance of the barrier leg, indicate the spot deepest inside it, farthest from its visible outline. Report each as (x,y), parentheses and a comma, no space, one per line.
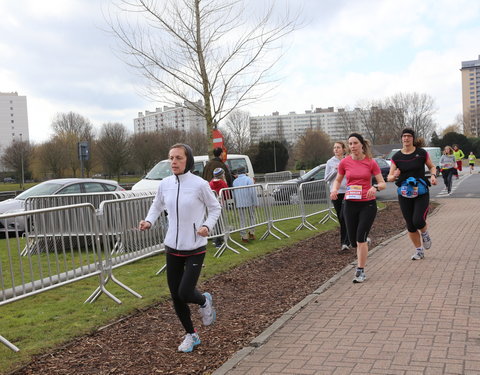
(8,344)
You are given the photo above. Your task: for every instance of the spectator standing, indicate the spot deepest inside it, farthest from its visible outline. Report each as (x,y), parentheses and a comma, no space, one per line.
(218,183)
(360,206)
(186,198)
(331,169)
(471,161)
(459,155)
(245,201)
(408,172)
(447,166)
(217,162)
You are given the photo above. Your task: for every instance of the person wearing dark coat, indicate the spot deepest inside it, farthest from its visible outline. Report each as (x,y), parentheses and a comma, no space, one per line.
(214,163)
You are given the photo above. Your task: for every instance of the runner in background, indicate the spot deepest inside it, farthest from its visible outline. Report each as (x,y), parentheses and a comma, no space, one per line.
(331,169)
(408,172)
(447,166)
(459,155)
(360,206)
(471,161)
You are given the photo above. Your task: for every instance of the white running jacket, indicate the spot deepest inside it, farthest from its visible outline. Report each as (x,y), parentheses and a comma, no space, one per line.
(190,204)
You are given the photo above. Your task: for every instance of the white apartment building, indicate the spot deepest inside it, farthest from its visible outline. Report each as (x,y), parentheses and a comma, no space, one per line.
(471,96)
(293,125)
(13,119)
(181,117)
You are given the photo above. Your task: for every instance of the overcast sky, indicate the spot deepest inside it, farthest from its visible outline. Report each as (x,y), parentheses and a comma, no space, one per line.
(57,53)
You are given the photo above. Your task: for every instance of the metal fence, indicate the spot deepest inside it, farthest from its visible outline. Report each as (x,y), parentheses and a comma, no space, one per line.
(278,176)
(70,242)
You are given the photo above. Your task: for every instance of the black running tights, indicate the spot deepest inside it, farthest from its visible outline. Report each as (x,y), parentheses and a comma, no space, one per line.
(359,217)
(182,276)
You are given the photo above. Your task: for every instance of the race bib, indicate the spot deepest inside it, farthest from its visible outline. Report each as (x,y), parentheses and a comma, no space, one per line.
(353,192)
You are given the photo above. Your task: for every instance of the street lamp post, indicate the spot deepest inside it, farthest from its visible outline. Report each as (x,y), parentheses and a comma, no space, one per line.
(21,160)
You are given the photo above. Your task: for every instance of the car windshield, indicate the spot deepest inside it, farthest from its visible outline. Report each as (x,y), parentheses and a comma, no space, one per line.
(307,176)
(381,163)
(160,171)
(47,188)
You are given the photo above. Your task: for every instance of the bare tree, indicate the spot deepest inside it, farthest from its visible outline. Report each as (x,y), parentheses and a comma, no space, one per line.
(195,48)
(412,110)
(71,128)
(145,148)
(312,148)
(16,158)
(349,120)
(198,141)
(237,126)
(114,148)
(51,158)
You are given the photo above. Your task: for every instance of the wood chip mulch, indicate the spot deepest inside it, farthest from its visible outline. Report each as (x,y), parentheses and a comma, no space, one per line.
(248,299)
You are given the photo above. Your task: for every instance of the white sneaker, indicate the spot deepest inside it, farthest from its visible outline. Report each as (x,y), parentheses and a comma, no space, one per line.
(344,247)
(418,255)
(190,341)
(359,276)
(208,312)
(427,241)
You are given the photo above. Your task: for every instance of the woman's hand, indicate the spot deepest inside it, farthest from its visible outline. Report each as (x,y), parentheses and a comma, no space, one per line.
(203,231)
(433,179)
(334,195)
(371,193)
(144,225)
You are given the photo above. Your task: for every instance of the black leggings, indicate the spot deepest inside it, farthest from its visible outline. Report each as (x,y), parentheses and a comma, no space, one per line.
(182,276)
(359,217)
(415,211)
(447,175)
(341,220)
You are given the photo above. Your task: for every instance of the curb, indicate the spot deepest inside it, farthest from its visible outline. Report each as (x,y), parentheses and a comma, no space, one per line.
(280,322)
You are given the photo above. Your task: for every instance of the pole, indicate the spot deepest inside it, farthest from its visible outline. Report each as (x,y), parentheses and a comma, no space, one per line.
(21,160)
(274,158)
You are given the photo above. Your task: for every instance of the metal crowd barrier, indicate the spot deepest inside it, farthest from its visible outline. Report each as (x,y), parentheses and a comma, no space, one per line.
(72,257)
(278,176)
(71,242)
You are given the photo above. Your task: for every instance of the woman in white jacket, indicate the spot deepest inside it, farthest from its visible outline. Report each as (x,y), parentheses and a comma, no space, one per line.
(331,170)
(192,212)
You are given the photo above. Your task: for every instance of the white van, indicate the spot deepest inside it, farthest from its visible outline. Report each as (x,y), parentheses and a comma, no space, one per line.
(435,154)
(162,170)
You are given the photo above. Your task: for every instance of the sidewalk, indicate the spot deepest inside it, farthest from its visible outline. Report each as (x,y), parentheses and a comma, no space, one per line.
(409,317)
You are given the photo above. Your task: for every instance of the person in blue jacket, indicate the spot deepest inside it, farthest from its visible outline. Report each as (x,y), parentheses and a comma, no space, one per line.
(192,212)
(245,201)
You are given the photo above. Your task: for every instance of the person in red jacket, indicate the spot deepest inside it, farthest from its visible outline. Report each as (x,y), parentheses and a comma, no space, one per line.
(216,184)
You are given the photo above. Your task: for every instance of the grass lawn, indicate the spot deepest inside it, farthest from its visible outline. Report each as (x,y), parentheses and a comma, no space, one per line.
(37,323)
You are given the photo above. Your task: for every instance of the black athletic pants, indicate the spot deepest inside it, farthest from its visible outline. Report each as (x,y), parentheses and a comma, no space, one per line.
(337,204)
(182,276)
(359,217)
(415,211)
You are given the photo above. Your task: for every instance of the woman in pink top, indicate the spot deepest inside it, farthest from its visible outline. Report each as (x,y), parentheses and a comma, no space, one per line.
(360,206)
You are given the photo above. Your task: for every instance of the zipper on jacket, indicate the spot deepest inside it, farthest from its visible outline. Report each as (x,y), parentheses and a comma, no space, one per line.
(178,193)
(194,232)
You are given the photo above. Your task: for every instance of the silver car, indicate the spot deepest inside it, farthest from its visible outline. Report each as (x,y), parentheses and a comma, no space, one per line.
(52,187)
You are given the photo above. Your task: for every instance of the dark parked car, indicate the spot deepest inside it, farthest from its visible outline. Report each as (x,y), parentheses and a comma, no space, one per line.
(288,194)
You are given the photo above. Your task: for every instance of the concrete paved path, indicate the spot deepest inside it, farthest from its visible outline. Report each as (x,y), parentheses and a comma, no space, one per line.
(409,317)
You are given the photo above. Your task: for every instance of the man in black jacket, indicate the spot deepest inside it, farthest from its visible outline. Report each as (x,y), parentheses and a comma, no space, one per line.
(216,162)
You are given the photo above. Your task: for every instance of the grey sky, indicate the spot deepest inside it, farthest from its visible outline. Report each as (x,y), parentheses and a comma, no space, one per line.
(56,53)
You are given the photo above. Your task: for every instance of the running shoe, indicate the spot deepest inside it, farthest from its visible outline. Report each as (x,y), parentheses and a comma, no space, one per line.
(359,276)
(190,341)
(344,247)
(418,255)
(427,241)
(207,312)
